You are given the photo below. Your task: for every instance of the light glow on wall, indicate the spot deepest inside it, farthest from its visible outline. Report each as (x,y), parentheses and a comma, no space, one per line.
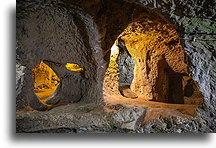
(74,67)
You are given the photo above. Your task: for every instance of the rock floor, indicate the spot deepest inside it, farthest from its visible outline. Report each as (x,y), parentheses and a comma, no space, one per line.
(119,114)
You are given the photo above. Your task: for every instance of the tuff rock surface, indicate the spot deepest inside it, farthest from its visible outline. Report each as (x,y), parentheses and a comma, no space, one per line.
(83,32)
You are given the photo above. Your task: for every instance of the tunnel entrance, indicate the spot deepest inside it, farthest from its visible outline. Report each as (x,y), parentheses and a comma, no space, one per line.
(45,82)
(126,70)
(125,65)
(147,62)
(74,67)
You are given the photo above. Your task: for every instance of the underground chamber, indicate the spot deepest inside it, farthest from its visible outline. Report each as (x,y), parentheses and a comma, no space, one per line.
(105,70)
(147,61)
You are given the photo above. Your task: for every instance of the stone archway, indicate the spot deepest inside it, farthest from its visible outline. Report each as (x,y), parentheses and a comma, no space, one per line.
(161,72)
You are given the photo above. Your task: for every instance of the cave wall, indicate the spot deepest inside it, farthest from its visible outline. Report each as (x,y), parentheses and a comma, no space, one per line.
(160,72)
(94,25)
(154,44)
(195,22)
(125,65)
(192,19)
(104,17)
(57,36)
(19,76)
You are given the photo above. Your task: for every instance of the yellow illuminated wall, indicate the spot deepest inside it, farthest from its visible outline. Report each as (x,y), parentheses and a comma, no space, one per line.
(45,81)
(73,67)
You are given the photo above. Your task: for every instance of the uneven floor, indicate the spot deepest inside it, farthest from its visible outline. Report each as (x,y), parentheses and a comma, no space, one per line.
(119,114)
(151,105)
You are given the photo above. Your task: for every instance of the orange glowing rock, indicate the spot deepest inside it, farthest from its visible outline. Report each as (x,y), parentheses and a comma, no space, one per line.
(74,67)
(45,81)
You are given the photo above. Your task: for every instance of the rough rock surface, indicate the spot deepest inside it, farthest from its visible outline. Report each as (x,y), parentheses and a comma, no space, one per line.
(160,73)
(125,65)
(127,92)
(57,36)
(83,32)
(195,21)
(19,77)
(129,118)
(87,118)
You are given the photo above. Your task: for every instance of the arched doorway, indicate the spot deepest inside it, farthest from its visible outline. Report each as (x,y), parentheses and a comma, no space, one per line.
(157,71)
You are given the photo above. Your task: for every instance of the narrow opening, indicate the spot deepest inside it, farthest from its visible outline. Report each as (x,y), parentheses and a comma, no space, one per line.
(126,70)
(125,65)
(74,67)
(45,81)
